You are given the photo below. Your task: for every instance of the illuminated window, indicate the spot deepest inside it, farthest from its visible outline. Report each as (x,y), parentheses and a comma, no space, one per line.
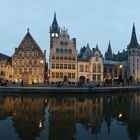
(53,75)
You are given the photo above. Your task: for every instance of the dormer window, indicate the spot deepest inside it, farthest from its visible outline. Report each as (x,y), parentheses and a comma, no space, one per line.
(96,58)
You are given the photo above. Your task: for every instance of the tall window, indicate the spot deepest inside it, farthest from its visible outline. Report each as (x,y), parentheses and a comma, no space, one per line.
(73,75)
(99,77)
(99,67)
(94,77)
(69,75)
(94,67)
(86,68)
(57,74)
(61,74)
(53,75)
(81,68)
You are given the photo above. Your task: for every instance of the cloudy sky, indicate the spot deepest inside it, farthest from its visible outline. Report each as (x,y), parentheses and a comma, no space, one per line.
(90,21)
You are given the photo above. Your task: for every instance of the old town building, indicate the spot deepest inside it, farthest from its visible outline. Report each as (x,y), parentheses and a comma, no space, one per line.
(63,55)
(5,68)
(125,64)
(28,62)
(90,65)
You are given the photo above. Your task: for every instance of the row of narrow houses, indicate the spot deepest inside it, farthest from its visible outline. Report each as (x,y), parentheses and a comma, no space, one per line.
(28,63)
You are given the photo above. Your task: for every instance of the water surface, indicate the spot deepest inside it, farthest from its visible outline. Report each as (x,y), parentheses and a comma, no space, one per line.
(102,117)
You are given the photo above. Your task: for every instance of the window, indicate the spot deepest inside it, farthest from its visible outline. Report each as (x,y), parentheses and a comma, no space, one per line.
(65,58)
(65,66)
(57,66)
(53,66)
(94,67)
(81,68)
(61,74)
(86,68)
(73,66)
(96,58)
(61,43)
(57,50)
(61,66)
(94,77)
(53,57)
(61,58)
(69,66)
(57,74)
(70,51)
(73,75)
(99,67)
(53,75)
(99,77)
(61,50)
(69,75)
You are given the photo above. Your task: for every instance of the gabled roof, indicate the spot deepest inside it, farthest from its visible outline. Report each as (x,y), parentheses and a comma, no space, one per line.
(3,56)
(28,37)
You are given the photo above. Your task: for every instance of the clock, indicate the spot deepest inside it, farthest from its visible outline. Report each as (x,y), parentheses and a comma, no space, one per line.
(56,34)
(53,34)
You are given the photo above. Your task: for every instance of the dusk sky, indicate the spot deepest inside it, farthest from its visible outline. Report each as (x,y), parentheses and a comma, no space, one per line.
(90,21)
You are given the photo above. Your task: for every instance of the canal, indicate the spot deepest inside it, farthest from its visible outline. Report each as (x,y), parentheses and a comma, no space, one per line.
(76,117)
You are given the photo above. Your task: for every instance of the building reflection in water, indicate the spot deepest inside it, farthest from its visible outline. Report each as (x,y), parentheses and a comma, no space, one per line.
(27,115)
(95,114)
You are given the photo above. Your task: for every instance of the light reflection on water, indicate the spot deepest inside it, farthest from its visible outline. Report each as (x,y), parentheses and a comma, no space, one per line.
(103,117)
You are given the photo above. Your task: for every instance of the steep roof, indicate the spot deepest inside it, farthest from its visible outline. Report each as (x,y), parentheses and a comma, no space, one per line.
(27,42)
(133,42)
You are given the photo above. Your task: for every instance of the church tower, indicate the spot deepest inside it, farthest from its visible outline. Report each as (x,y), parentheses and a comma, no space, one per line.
(54,30)
(134,57)
(108,54)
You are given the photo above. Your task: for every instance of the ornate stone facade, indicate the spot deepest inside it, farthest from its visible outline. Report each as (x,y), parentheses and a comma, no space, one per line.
(28,62)
(90,65)
(63,55)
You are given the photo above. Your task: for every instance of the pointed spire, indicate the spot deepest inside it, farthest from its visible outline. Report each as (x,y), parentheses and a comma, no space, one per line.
(109,50)
(54,19)
(28,30)
(133,42)
(54,27)
(108,54)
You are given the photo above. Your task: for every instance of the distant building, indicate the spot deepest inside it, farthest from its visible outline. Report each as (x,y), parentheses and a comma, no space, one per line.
(63,55)
(5,68)
(28,62)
